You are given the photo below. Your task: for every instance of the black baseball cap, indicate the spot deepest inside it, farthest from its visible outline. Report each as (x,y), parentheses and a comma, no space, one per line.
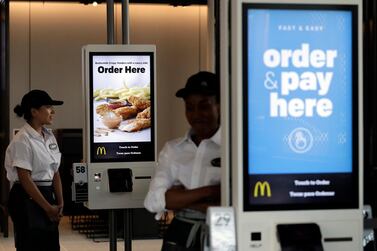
(203,82)
(37,98)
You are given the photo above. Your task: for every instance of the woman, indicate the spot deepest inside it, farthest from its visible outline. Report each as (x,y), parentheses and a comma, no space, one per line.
(187,179)
(32,160)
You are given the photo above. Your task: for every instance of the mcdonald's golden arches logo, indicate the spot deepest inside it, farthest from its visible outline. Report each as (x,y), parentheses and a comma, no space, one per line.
(261,188)
(101,150)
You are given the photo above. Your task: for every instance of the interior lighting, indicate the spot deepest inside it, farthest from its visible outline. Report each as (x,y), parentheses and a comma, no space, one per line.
(94,3)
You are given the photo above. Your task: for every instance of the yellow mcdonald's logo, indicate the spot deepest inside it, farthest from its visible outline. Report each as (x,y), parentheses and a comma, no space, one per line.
(101,150)
(261,188)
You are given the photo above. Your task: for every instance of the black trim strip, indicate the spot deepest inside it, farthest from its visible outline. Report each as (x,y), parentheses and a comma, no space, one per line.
(337,239)
(143,177)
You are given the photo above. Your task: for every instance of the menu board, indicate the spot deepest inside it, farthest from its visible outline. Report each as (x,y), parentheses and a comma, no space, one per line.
(121,106)
(301,106)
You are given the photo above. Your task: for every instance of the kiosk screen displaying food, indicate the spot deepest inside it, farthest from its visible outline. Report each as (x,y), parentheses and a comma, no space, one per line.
(121,106)
(300,117)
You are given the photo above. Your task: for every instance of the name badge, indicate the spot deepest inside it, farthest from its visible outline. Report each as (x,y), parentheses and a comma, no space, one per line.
(53,146)
(216,162)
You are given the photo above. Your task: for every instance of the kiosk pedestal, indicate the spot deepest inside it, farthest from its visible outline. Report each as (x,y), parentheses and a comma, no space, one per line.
(127,231)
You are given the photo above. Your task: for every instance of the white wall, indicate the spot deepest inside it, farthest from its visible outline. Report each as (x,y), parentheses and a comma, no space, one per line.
(45,53)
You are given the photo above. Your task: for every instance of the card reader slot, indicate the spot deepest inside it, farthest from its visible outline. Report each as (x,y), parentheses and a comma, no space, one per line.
(120,180)
(300,236)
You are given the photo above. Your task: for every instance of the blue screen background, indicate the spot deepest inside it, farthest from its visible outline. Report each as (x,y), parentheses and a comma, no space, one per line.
(284,145)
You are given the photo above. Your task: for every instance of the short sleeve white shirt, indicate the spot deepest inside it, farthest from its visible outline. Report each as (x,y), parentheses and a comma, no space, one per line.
(31,151)
(182,162)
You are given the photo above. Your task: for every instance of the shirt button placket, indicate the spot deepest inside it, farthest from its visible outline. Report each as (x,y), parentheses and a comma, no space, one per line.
(197,178)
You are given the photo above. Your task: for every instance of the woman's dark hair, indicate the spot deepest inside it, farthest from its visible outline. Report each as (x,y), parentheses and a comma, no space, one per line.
(23,112)
(29,100)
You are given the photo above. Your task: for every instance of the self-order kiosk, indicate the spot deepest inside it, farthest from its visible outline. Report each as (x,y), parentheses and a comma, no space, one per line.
(120,123)
(296,124)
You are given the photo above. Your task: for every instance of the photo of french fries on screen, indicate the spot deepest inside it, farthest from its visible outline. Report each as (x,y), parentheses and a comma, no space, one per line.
(125,109)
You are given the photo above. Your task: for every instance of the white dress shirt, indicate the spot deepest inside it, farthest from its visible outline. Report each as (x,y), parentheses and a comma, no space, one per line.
(31,151)
(181,162)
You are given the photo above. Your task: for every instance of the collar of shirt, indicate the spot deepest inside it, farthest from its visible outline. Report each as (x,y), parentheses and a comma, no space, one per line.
(216,138)
(194,168)
(33,133)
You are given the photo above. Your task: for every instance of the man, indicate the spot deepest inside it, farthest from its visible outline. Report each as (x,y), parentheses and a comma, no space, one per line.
(187,178)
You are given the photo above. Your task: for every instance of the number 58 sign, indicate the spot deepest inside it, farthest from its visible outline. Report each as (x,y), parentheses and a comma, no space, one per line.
(80,175)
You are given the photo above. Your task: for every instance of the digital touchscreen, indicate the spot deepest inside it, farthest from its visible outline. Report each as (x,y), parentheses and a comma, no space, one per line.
(121,106)
(300,106)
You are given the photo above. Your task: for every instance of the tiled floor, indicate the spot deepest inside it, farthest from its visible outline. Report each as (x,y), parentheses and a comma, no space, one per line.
(71,240)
